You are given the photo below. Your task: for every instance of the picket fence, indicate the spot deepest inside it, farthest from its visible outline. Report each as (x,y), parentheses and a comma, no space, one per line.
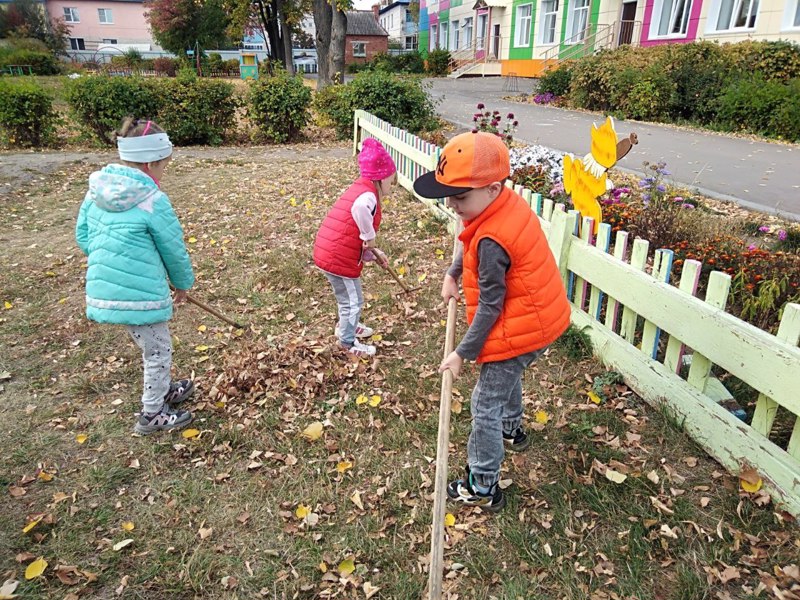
(661,338)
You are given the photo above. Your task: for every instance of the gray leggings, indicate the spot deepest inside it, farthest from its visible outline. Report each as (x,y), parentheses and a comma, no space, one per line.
(156,344)
(496,407)
(350,299)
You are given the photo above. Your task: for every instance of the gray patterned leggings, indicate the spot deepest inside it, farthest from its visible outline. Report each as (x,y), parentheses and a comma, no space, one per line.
(156,344)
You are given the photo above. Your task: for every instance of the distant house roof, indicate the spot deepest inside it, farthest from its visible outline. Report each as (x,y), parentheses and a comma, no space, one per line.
(363,22)
(391,5)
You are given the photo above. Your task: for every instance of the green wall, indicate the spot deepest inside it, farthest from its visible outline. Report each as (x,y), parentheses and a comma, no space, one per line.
(527,51)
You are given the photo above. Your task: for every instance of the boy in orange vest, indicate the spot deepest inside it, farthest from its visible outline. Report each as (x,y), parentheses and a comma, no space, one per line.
(516,302)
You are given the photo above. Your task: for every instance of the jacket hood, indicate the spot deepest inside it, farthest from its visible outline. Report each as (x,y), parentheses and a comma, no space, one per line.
(117,188)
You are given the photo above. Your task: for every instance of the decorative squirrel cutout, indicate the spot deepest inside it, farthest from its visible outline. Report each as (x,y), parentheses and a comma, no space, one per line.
(586,179)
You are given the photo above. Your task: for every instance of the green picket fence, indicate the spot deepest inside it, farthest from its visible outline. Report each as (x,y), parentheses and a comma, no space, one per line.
(663,339)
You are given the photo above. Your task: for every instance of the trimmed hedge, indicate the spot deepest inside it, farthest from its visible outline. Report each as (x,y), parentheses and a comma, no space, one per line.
(193,111)
(279,106)
(402,101)
(702,82)
(27,117)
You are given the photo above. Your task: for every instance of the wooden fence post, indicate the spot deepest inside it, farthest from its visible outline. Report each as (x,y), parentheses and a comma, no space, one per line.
(719,285)
(561,238)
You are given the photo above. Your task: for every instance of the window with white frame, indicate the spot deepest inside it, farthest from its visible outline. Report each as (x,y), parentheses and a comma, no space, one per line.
(443,35)
(77,44)
(109,41)
(360,49)
(434,36)
(411,42)
(796,22)
(670,18)
(105,16)
(523,31)
(467,27)
(71,15)
(549,17)
(737,14)
(578,21)
(454,35)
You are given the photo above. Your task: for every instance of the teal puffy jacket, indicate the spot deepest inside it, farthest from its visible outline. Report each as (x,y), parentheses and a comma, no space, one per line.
(132,236)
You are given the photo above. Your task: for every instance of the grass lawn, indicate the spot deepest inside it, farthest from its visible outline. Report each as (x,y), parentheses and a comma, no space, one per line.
(248,507)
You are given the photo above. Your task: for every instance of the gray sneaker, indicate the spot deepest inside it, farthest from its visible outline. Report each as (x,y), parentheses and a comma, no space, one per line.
(164,420)
(179,391)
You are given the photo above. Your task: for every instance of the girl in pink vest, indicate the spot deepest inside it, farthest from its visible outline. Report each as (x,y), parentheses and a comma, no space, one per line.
(346,240)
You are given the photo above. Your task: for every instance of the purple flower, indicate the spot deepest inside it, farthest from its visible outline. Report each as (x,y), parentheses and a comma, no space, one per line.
(677,199)
(782,234)
(661,188)
(481,106)
(687,205)
(516,123)
(751,247)
(764,229)
(646,198)
(510,116)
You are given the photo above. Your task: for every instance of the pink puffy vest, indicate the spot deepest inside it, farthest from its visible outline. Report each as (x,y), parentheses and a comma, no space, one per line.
(338,247)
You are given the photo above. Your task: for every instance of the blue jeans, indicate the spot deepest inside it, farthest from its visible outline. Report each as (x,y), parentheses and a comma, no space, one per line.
(496,407)
(350,300)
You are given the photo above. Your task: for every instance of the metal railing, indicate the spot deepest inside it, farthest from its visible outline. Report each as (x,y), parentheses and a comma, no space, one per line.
(591,40)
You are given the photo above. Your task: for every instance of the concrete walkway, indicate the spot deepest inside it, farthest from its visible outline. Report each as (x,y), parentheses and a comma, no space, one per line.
(759,175)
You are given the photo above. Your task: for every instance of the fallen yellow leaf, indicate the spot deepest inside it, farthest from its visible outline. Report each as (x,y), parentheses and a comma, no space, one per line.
(128,526)
(8,305)
(313,431)
(201,328)
(449,520)
(323,567)
(594,398)
(35,569)
(192,240)
(343,466)
(374,400)
(615,476)
(190,433)
(377,337)
(302,511)
(45,476)
(751,488)
(541,417)
(422,277)
(31,525)
(362,399)
(201,348)
(81,438)
(347,566)
(401,270)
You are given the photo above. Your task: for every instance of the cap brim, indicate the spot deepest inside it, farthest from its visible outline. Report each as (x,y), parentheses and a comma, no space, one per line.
(427,187)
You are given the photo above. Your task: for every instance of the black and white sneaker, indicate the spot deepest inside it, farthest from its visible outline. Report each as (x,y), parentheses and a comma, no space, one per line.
(179,391)
(517,440)
(462,492)
(166,419)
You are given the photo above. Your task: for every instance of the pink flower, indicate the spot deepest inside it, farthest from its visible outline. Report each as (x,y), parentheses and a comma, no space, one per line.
(751,247)
(782,234)
(764,229)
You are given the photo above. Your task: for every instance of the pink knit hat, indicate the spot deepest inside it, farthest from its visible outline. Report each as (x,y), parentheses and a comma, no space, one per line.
(374,161)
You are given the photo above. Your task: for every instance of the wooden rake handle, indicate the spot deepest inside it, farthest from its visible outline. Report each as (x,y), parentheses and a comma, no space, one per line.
(214,312)
(397,279)
(442,447)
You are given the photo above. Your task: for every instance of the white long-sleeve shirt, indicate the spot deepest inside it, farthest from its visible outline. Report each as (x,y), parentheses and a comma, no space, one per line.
(363,211)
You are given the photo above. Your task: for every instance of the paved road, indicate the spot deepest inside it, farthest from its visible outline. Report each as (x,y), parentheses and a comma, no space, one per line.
(759,175)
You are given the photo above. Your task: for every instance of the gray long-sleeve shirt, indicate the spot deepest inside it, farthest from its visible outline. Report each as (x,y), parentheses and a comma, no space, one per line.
(493,264)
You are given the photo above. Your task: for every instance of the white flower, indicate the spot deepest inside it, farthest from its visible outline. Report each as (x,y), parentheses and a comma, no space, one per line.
(549,159)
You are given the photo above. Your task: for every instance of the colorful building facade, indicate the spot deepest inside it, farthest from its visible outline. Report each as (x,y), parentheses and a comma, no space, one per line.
(524,37)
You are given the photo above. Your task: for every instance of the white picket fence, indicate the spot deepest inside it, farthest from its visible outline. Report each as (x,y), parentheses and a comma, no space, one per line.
(661,338)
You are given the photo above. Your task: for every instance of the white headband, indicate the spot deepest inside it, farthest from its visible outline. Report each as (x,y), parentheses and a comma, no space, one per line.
(144,148)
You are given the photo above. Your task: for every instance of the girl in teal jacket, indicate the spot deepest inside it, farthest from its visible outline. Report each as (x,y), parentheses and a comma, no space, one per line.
(129,231)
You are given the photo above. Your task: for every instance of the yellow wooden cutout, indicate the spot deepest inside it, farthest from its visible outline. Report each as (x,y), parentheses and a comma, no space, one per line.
(604,143)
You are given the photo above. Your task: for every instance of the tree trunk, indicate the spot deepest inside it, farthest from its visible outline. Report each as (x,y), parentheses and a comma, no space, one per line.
(286,35)
(323,16)
(336,51)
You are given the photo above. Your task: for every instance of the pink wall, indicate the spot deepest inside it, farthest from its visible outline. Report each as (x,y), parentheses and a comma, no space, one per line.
(691,28)
(128,27)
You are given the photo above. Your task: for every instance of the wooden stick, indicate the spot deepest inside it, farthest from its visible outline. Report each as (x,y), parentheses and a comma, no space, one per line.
(397,279)
(214,312)
(442,450)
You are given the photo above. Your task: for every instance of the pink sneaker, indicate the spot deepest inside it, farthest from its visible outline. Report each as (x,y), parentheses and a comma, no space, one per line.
(362,331)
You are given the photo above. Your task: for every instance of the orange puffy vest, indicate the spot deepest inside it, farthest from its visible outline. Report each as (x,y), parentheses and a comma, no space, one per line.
(536,310)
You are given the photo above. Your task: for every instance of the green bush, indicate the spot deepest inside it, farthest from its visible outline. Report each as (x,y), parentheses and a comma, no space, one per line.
(215,62)
(775,61)
(100,102)
(438,62)
(786,120)
(700,74)
(279,106)
(231,65)
(410,62)
(42,63)
(329,102)
(644,95)
(199,111)
(399,100)
(753,104)
(27,117)
(556,82)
